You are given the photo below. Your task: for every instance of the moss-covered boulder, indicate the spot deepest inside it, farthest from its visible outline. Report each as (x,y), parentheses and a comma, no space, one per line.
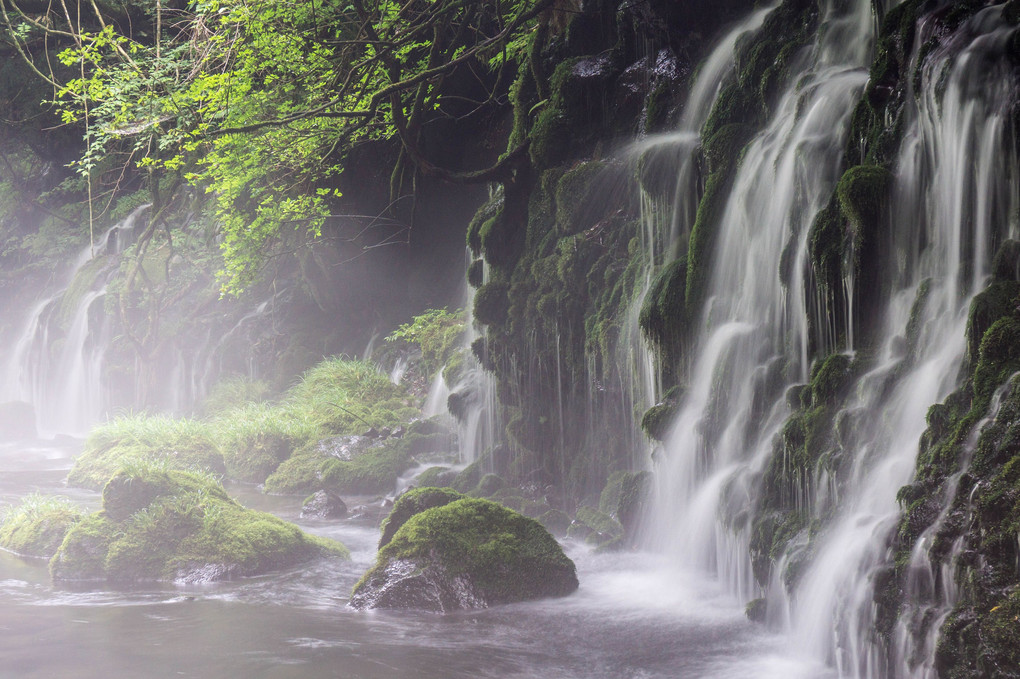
(37,526)
(169,525)
(413,502)
(625,497)
(467,554)
(596,528)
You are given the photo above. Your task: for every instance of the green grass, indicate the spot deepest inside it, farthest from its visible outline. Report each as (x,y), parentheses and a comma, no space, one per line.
(37,526)
(250,439)
(178,443)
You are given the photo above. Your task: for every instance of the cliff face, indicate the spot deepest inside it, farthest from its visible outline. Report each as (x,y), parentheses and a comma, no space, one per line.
(891,231)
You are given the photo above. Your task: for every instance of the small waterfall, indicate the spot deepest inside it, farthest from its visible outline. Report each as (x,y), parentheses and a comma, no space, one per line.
(57,360)
(931,591)
(667,220)
(954,186)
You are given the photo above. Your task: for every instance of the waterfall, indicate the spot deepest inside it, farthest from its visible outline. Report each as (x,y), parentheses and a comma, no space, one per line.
(57,359)
(755,330)
(953,199)
(667,221)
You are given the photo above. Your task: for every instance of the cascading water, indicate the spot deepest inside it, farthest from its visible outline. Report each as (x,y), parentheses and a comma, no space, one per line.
(57,359)
(473,393)
(755,328)
(955,197)
(666,225)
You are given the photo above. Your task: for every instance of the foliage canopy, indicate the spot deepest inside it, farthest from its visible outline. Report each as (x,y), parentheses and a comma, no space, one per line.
(258,102)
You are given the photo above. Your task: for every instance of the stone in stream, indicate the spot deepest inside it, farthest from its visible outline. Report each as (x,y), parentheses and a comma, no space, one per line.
(323,504)
(466,554)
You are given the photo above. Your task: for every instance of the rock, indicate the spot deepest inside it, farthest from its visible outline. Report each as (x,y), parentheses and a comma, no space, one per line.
(17,421)
(756,610)
(596,528)
(323,505)
(555,521)
(161,524)
(467,554)
(414,502)
(488,485)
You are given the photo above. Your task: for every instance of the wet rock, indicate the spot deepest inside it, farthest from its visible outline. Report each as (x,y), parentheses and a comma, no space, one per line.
(17,421)
(345,447)
(323,505)
(466,554)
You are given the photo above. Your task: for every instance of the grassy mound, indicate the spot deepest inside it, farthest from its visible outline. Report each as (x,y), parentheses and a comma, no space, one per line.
(37,526)
(249,441)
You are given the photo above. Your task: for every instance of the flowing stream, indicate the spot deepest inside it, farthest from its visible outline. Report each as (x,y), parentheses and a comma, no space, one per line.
(632,617)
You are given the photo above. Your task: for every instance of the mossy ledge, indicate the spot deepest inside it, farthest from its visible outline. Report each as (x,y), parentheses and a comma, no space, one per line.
(161,524)
(466,554)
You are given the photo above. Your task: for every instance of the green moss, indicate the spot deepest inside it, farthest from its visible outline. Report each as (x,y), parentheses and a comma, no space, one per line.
(256,438)
(829,379)
(468,477)
(37,525)
(490,210)
(999,356)
(374,469)
(439,477)
(491,303)
(476,273)
(756,610)
(488,486)
(576,191)
(1006,265)
(997,300)
(159,524)
(595,527)
(413,502)
(504,555)
(663,310)
(657,420)
(863,194)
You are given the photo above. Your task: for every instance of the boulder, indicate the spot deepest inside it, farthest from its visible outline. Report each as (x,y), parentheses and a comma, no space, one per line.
(323,505)
(467,554)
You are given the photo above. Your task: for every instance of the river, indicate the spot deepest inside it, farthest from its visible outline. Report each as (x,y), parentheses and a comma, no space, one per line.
(634,616)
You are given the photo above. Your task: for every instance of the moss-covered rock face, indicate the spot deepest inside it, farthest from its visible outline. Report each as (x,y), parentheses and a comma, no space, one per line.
(358,465)
(470,553)
(37,526)
(169,525)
